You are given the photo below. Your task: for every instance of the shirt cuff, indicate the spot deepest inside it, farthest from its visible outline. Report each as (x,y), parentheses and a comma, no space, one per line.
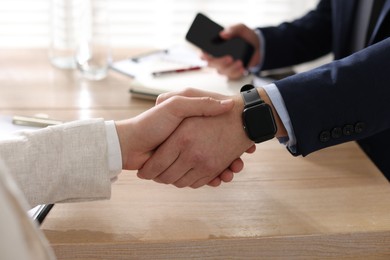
(114,150)
(256,69)
(280,107)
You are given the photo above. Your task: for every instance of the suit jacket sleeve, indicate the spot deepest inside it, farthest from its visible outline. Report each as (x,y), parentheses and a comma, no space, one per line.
(61,163)
(302,40)
(353,91)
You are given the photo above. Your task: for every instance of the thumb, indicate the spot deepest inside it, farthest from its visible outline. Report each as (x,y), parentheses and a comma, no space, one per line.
(227,33)
(183,107)
(189,92)
(232,31)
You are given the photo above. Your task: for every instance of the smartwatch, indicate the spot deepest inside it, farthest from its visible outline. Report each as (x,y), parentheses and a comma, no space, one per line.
(257,117)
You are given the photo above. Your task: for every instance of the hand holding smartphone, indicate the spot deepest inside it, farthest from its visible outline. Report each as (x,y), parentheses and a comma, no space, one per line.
(204,33)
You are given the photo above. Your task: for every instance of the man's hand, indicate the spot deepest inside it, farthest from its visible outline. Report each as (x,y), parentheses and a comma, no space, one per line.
(225,65)
(201,148)
(139,136)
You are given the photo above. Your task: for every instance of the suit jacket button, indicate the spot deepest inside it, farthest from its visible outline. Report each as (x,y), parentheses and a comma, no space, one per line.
(348,129)
(337,132)
(359,127)
(324,136)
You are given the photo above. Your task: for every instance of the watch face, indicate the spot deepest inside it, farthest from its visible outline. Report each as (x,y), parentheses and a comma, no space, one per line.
(259,123)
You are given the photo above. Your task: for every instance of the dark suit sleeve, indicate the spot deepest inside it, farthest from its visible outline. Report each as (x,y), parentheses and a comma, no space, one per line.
(354,91)
(302,40)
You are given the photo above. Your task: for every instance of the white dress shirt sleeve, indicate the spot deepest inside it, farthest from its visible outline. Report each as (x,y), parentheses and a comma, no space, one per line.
(114,150)
(280,107)
(256,69)
(276,98)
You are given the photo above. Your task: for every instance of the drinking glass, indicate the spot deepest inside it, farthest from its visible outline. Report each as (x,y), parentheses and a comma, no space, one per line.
(93,54)
(63,33)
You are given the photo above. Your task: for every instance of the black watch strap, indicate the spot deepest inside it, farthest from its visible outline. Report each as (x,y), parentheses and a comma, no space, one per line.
(250,96)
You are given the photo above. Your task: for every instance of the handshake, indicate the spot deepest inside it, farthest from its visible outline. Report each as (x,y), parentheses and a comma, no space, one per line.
(190,138)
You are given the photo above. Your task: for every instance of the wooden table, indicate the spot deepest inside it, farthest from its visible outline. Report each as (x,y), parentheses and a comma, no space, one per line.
(331,204)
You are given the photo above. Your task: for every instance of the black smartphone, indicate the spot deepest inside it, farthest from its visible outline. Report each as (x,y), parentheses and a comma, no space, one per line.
(204,33)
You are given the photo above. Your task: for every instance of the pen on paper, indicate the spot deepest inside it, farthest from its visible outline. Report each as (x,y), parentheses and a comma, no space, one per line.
(146,54)
(166,72)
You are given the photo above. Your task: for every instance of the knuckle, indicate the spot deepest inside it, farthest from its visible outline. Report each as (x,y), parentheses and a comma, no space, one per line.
(161,98)
(208,168)
(188,91)
(171,105)
(179,185)
(196,186)
(166,180)
(143,176)
(199,158)
(172,100)
(208,99)
(157,180)
(184,142)
(151,172)
(140,175)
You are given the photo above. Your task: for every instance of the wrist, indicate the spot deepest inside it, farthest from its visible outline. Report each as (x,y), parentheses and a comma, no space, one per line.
(124,130)
(257,116)
(281,130)
(237,110)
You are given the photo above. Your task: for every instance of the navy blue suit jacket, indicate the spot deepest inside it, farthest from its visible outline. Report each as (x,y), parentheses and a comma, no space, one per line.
(345,100)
